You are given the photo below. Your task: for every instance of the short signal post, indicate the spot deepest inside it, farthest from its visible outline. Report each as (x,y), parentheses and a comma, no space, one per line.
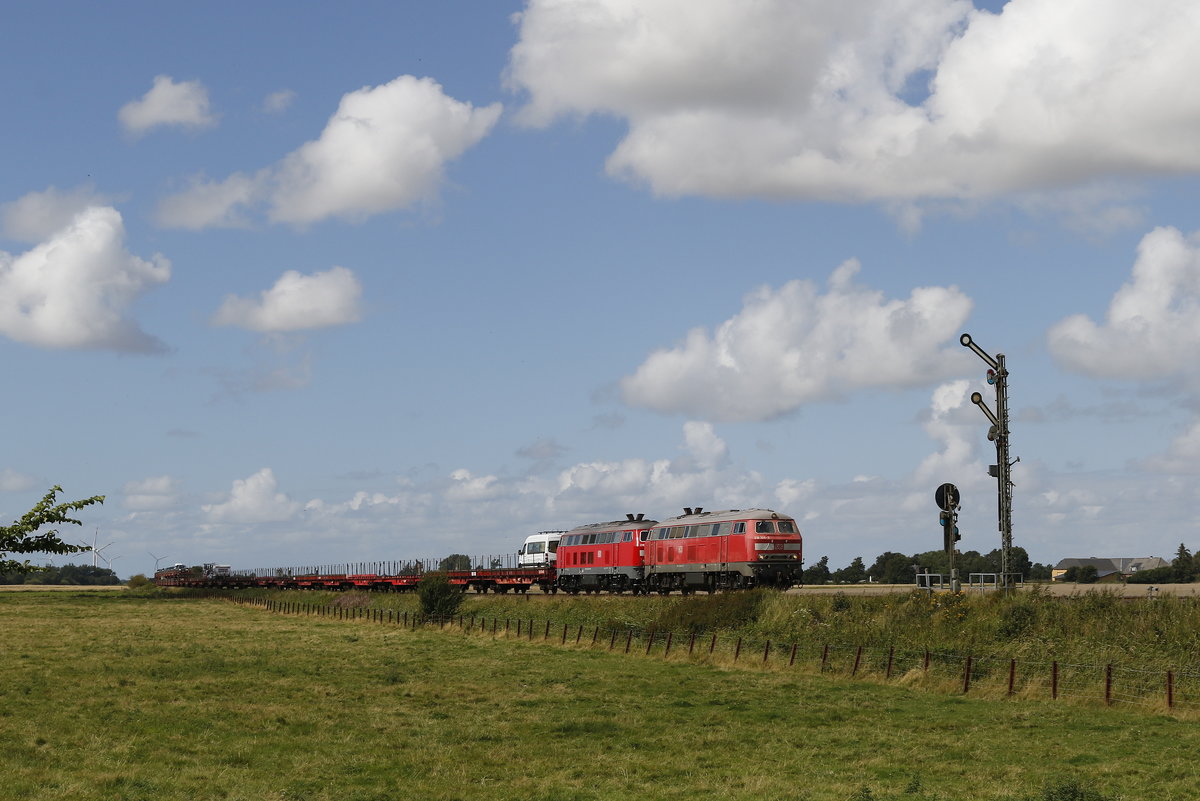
(998,432)
(947,498)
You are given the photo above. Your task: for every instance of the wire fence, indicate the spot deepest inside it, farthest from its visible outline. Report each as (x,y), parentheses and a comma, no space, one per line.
(986,676)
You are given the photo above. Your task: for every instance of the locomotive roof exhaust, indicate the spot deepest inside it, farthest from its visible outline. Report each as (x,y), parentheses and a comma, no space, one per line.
(629,516)
(687,510)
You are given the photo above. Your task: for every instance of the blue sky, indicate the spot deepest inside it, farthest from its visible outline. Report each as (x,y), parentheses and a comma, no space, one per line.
(296,285)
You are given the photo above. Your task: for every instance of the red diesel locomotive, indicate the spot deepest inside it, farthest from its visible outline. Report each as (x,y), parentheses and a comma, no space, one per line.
(732,549)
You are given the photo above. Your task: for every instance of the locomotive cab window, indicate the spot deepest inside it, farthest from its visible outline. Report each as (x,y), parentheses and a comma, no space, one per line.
(764,527)
(786,527)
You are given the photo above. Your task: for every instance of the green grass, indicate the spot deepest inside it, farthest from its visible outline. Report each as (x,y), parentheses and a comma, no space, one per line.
(120,697)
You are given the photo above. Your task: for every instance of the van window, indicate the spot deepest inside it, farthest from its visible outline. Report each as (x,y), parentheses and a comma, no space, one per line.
(764,527)
(534,547)
(554,546)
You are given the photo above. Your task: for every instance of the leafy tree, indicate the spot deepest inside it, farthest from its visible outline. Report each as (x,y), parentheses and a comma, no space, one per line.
(1183,565)
(1087,574)
(818,573)
(26,535)
(892,568)
(455,561)
(439,598)
(853,573)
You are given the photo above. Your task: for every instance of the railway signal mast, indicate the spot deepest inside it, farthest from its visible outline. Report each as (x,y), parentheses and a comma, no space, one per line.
(997,375)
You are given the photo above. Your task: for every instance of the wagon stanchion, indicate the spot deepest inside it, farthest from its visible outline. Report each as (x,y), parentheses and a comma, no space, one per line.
(649,641)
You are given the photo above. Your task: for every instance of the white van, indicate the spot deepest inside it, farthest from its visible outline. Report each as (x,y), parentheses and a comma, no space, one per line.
(539,550)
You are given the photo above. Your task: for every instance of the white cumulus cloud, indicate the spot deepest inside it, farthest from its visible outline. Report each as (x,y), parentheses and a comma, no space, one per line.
(183,104)
(253,500)
(38,215)
(297,302)
(385,148)
(75,289)
(1152,327)
(861,100)
(794,345)
(157,492)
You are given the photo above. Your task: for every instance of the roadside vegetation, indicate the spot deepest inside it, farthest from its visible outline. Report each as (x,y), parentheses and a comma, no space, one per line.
(127,697)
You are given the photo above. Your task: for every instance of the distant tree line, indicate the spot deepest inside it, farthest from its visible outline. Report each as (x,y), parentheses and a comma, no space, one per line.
(897,568)
(67,574)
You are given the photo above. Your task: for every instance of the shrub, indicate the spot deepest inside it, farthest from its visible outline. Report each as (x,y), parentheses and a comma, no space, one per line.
(439,598)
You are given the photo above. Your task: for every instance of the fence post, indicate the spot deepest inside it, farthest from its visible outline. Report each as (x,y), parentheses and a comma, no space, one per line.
(612,641)
(1170,689)
(628,640)
(520,623)
(1054,680)
(579,636)
(712,645)
(824,656)
(766,652)
(738,651)
(1012,675)
(546,636)
(891,657)
(692,644)
(857,659)
(967,675)
(926,660)
(1108,685)
(792,660)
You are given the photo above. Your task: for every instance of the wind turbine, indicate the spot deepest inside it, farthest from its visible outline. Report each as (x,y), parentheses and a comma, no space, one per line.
(99,552)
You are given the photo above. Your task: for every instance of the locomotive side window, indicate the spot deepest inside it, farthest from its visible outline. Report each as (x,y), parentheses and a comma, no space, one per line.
(660,533)
(643,535)
(739,528)
(677,532)
(786,527)
(697,531)
(764,527)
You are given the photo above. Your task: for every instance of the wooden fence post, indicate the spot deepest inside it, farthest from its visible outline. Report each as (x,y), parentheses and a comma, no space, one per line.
(967,675)
(1170,689)
(857,659)
(792,660)
(1108,685)
(824,656)
(891,657)
(670,636)
(1012,675)
(1054,680)
(738,651)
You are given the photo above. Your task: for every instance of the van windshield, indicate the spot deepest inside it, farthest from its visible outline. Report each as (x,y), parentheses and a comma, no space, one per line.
(535,547)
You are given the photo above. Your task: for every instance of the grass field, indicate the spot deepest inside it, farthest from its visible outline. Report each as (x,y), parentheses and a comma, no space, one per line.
(112,696)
